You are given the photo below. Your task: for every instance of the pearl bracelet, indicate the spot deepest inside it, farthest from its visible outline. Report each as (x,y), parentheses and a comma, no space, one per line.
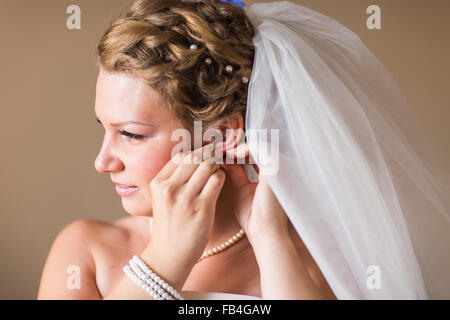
(146,279)
(141,283)
(149,280)
(152,275)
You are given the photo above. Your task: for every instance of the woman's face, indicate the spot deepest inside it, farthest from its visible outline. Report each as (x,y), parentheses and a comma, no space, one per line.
(135,160)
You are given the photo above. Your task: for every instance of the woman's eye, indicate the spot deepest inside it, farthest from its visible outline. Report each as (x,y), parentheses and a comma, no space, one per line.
(131,135)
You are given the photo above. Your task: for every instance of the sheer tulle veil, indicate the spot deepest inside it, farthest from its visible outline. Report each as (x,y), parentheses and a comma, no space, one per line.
(357,175)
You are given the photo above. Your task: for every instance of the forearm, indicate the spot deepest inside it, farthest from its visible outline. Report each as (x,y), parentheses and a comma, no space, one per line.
(283,275)
(127,289)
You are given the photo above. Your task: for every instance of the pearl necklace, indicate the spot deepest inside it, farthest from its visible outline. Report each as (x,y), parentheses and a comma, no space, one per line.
(234,239)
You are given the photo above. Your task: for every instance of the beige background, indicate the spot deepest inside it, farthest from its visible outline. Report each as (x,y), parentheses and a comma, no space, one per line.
(50,139)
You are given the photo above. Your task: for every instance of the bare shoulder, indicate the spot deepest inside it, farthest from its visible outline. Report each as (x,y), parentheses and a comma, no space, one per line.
(69,271)
(113,247)
(112,238)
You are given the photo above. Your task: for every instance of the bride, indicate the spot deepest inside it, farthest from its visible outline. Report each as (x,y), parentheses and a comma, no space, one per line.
(342,216)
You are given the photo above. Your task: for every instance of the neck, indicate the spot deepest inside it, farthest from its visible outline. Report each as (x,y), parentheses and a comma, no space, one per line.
(225,222)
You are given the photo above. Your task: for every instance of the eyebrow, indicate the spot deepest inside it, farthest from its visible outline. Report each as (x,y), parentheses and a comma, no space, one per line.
(118,124)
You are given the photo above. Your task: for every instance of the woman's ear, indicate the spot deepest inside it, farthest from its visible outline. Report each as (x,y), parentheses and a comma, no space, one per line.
(232,131)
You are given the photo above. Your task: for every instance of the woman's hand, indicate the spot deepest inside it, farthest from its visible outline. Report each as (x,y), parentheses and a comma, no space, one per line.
(184,195)
(257,209)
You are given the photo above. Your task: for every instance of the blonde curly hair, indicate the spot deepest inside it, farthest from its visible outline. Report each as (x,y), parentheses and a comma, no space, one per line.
(151,40)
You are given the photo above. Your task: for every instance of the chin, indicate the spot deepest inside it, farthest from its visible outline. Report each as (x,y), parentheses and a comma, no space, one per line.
(136,207)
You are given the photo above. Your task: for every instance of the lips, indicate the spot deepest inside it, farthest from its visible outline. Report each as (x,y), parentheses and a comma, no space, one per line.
(124,185)
(124,190)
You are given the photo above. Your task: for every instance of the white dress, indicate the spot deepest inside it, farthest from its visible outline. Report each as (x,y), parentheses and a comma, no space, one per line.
(204,295)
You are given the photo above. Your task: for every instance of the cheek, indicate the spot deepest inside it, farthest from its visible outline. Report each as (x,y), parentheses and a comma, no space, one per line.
(148,164)
(146,168)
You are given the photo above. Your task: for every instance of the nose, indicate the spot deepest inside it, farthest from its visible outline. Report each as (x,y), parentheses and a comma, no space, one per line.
(106,161)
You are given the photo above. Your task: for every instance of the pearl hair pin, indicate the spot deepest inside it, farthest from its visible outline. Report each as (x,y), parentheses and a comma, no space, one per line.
(234,239)
(208,61)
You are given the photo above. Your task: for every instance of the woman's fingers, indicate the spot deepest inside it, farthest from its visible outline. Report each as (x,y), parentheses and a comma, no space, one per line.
(185,169)
(204,171)
(242,151)
(213,186)
(189,165)
(200,177)
(170,166)
(176,199)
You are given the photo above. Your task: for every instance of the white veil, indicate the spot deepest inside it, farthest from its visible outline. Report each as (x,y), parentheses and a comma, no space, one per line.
(357,177)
